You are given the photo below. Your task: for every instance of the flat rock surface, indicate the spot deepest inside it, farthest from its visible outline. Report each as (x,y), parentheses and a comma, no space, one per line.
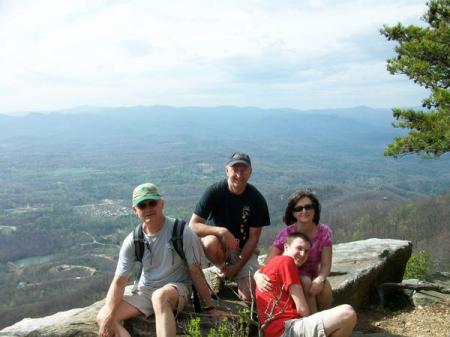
(75,322)
(358,268)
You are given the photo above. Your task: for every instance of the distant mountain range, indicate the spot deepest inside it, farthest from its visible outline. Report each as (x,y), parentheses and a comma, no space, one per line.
(235,117)
(189,146)
(357,130)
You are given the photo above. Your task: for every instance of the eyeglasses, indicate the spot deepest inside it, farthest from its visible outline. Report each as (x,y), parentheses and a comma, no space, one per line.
(301,208)
(240,168)
(147,203)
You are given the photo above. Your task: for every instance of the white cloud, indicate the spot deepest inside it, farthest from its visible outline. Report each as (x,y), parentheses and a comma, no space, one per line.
(56,54)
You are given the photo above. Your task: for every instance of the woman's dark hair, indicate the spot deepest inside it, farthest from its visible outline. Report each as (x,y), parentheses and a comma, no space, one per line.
(292,236)
(288,218)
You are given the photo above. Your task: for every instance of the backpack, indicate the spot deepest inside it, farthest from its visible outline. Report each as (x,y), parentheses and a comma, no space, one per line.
(176,240)
(177,243)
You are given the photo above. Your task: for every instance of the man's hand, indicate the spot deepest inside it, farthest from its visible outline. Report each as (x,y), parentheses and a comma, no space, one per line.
(218,313)
(231,270)
(107,328)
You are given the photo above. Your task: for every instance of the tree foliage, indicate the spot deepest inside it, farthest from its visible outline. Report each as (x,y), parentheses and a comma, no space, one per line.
(423,54)
(418,266)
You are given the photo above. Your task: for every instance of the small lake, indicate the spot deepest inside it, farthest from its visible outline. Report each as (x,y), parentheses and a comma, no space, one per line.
(29,261)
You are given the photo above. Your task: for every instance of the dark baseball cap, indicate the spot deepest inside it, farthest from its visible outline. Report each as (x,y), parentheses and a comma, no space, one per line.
(239,158)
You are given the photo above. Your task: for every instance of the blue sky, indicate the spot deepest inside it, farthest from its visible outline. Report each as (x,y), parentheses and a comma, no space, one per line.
(304,54)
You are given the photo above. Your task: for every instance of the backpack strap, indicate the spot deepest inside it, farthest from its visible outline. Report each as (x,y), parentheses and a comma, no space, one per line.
(177,238)
(138,240)
(177,243)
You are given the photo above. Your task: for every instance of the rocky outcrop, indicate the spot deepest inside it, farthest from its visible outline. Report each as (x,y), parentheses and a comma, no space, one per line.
(75,322)
(358,268)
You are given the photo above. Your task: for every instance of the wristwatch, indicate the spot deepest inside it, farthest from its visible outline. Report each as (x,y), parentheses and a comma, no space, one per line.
(208,308)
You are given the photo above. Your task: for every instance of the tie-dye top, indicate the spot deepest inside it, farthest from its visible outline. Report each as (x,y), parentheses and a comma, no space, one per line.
(323,238)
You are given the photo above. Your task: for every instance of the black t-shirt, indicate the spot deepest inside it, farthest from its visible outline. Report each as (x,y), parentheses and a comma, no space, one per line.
(235,212)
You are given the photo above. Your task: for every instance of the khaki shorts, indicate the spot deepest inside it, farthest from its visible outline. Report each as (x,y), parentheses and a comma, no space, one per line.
(142,298)
(249,268)
(311,326)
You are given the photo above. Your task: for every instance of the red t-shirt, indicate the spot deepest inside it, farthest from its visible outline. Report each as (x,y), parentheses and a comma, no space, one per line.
(282,272)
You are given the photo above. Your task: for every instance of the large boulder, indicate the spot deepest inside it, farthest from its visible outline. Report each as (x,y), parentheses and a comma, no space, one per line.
(358,268)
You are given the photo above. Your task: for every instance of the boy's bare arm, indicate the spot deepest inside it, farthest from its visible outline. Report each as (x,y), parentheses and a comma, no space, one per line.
(298,295)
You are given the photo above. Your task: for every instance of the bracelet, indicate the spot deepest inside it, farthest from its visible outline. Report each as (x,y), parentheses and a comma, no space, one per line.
(208,308)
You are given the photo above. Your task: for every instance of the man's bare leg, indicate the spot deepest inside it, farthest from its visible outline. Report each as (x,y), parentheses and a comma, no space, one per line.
(214,250)
(246,286)
(165,301)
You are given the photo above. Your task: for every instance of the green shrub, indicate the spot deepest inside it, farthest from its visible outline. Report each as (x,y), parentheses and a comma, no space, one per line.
(225,328)
(418,266)
(193,328)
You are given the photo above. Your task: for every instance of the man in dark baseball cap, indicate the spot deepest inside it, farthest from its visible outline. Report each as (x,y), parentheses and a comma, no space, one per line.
(229,218)
(239,158)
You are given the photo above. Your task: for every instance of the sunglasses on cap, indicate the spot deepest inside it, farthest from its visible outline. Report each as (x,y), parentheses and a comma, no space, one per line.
(147,203)
(301,208)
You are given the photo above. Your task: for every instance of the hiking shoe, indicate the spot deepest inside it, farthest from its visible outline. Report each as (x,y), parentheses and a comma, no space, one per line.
(214,279)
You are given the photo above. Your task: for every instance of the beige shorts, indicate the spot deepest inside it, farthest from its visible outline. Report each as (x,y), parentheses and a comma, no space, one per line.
(142,298)
(311,326)
(249,268)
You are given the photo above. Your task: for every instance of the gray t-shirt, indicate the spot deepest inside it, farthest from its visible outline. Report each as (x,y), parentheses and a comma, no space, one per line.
(161,263)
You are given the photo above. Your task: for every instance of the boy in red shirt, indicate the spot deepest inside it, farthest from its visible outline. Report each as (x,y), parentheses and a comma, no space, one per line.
(284,312)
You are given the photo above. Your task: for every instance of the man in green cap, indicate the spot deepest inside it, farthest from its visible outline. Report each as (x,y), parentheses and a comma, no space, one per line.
(229,218)
(165,281)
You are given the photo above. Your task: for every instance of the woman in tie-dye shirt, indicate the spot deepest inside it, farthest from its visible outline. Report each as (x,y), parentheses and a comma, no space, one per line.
(302,215)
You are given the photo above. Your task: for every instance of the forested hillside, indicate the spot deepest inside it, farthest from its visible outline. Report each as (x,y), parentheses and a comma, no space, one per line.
(66,181)
(424,221)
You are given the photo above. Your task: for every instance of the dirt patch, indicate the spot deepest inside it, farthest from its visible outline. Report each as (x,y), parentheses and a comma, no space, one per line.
(69,271)
(422,321)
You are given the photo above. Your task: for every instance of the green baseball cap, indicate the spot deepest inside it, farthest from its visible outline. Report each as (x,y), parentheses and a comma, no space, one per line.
(145,191)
